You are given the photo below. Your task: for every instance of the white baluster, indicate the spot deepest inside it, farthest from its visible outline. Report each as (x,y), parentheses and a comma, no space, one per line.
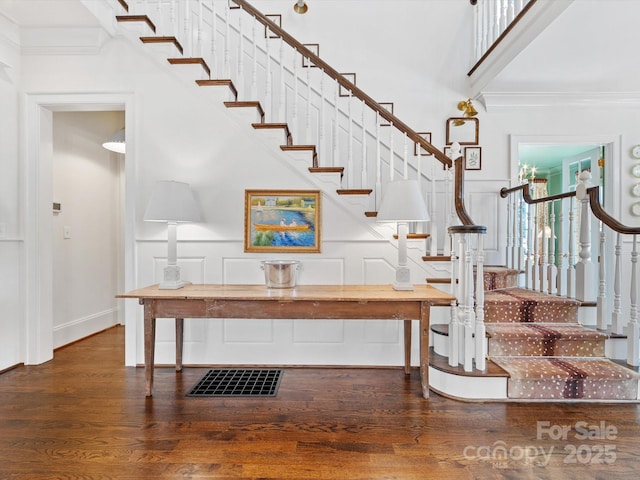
(469,314)
(200,27)
(336,131)
(633,328)
(364,177)
(268,94)
(294,117)
(530,267)
(616,315)
(378,163)
(254,61)
(392,155)
(227,47)
(186,29)
(405,159)
(480,329)
(283,85)
(552,269)
(320,147)
(350,167)
(433,226)
(307,131)
(571,271)
(544,242)
(454,326)
(240,60)
(585,269)
(602,313)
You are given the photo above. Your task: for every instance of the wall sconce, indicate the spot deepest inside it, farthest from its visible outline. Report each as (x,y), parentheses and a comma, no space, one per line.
(402,203)
(117,142)
(300,7)
(466,106)
(172,202)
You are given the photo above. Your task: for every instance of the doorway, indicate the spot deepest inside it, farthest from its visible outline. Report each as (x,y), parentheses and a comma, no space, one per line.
(38,330)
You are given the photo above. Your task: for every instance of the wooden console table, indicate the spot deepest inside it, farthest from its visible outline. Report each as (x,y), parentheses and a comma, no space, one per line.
(344,302)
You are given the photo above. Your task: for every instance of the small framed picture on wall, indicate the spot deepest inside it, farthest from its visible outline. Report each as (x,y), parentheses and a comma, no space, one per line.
(473,158)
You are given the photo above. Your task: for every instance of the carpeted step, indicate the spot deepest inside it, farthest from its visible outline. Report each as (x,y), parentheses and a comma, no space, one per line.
(568,378)
(546,340)
(500,277)
(528,306)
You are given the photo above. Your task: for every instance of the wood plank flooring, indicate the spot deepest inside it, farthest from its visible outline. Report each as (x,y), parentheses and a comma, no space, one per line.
(85,416)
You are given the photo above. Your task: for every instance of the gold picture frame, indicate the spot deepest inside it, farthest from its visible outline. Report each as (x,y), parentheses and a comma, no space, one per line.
(282,221)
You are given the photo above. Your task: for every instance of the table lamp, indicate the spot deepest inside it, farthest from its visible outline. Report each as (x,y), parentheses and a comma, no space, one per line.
(402,203)
(172,202)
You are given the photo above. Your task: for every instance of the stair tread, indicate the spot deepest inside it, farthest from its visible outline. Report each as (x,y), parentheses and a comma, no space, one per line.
(190,61)
(163,39)
(441,363)
(563,378)
(136,18)
(354,191)
(414,236)
(436,258)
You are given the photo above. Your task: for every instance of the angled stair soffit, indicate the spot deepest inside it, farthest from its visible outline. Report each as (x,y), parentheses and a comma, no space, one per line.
(537,19)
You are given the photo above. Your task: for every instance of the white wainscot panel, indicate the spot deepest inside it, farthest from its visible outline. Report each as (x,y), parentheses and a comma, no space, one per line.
(191,268)
(248,331)
(484,210)
(377,271)
(382,331)
(318,331)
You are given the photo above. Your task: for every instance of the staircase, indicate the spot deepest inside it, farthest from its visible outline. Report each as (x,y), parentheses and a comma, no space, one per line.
(537,351)
(536,347)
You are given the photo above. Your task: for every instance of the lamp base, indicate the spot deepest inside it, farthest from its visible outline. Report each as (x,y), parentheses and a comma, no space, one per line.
(172,278)
(403,279)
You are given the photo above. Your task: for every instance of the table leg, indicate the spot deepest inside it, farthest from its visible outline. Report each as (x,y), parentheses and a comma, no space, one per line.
(424,348)
(179,338)
(149,345)
(407,347)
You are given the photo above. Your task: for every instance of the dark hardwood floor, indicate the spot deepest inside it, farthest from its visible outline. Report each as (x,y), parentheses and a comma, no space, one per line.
(84,416)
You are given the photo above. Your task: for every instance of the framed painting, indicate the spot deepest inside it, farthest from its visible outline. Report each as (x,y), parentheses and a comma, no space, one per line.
(282,221)
(473,158)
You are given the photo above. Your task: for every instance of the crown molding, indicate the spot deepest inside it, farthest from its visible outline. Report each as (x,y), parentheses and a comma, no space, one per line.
(493,101)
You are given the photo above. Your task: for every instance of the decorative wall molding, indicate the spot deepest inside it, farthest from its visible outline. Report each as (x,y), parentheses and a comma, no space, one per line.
(494,101)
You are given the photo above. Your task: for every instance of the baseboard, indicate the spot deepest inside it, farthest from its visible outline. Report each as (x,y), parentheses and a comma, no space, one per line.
(83,327)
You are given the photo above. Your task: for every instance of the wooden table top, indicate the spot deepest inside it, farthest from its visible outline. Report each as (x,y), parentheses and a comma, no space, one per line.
(369,293)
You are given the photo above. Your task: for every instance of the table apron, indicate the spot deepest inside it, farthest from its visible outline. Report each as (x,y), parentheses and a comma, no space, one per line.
(284,309)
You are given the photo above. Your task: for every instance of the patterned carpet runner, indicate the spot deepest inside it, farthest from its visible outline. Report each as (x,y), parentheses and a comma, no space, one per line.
(537,339)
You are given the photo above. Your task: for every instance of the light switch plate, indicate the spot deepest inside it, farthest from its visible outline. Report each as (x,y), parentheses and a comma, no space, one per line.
(66,232)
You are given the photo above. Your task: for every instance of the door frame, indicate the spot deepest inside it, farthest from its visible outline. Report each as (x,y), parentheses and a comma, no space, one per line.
(36,180)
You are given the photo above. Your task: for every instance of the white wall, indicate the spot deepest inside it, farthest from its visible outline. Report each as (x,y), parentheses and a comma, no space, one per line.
(11,245)
(86,262)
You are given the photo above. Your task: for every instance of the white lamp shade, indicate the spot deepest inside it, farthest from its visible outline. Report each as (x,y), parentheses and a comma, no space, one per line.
(116,143)
(172,202)
(402,202)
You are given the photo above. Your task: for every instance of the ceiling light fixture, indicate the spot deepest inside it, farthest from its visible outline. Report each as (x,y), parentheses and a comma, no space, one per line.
(117,142)
(300,7)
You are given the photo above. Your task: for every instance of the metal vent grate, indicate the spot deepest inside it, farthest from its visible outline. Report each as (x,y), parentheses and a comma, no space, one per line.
(237,383)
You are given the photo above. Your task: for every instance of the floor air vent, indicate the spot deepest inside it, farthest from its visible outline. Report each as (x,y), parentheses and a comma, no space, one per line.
(237,383)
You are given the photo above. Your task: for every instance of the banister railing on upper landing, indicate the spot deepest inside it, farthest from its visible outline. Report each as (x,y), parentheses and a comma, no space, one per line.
(556,253)
(493,21)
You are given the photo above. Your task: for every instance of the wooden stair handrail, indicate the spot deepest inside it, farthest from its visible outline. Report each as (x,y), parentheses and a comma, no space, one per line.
(594,203)
(326,68)
(458,196)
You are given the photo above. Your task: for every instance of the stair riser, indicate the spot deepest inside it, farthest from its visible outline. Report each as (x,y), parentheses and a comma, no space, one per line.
(531,313)
(565,389)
